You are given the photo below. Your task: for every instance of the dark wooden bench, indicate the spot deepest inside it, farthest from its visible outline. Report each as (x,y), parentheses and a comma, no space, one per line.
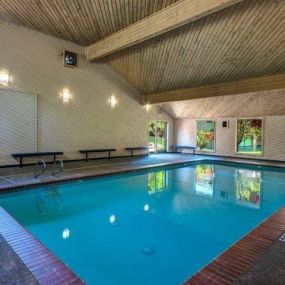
(132,149)
(176,147)
(87,151)
(36,154)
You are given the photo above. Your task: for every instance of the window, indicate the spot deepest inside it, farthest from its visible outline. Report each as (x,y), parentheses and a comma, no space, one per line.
(205,135)
(157,136)
(249,136)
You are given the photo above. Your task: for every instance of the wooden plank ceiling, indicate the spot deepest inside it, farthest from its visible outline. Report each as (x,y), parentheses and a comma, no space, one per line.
(257,84)
(81,21)
(245,40)
(266,103)
(170,18)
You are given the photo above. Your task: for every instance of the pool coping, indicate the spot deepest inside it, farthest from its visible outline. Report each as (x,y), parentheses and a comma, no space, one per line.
(46,268)
(14,188)
(227,267)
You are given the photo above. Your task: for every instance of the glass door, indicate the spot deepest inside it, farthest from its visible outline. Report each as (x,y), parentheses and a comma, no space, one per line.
(157,136)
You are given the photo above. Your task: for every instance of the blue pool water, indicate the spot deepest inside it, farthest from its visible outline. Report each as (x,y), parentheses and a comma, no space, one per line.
(155,227)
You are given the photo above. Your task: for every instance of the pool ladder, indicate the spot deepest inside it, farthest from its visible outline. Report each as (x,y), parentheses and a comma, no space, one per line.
(55,170)
(37,174)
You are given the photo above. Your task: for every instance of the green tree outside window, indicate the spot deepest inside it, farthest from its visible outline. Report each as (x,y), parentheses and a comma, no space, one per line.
(205,135)
(249,136)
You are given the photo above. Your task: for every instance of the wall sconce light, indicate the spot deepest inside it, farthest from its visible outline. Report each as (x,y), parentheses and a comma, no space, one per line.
(159,113)
(4,78)
(147,107)
(113,101)
(66,95)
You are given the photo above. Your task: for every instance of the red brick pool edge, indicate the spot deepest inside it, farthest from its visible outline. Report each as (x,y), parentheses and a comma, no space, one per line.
(45,267)
(237,259)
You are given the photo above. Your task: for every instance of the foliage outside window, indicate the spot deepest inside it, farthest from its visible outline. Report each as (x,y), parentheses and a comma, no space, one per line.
(248,187)
(156,181)
(249,136)
(152,135)
(157,136)
(205,135)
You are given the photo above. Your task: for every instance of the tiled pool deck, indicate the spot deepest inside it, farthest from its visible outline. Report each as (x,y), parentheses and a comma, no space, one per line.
(47,269)
(13,178)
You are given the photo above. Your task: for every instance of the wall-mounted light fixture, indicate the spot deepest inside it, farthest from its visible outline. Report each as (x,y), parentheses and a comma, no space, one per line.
(147,107)
(65,95)
(159,113)
(4,78)
(113,101)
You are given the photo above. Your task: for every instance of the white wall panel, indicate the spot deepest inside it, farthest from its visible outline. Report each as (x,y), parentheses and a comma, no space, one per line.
(36,67)
(17,123)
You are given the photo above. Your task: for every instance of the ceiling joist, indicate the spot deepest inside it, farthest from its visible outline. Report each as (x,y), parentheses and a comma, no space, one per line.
(273,82)
(170,18)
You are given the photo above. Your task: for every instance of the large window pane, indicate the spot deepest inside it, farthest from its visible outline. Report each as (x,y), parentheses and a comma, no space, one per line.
(157,136)
(151,137)
(161,137)
(205,135)
(249,136)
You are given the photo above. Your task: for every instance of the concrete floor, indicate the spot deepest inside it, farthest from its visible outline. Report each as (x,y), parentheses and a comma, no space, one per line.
(12,269)
(15,176)
(268,269)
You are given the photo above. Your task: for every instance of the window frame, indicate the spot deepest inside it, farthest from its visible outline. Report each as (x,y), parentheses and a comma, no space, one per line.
(262,139)
(215,132)
(167,130)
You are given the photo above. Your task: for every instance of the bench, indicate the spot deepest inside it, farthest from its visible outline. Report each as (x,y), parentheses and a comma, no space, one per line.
(36,154)
(176,147)
(87,151)
(132,149)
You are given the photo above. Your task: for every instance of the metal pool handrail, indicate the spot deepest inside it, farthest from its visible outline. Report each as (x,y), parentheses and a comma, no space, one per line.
(54,171)
(36,175)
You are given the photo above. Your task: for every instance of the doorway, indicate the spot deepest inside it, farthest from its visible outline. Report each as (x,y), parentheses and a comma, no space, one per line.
(157,136)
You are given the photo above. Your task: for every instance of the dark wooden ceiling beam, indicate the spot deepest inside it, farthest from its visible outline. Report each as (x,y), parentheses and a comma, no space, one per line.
(172,17)
(272,82)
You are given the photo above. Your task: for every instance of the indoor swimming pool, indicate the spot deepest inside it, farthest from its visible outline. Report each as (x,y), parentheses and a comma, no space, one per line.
(150,227)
